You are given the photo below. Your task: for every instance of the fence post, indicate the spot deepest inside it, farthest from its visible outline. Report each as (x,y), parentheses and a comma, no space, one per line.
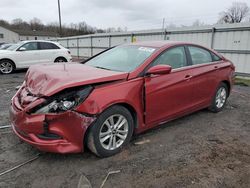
(110,41)
(78,49)
(212,37)
(91,46)
(132,37)
(165,34)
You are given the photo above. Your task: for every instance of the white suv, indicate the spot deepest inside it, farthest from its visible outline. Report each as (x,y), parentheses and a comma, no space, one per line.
(27,53)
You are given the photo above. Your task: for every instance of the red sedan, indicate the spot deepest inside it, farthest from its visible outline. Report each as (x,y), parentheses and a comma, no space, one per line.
(120,92)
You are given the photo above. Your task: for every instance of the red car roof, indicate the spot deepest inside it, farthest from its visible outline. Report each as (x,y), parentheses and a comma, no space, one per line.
(157,44)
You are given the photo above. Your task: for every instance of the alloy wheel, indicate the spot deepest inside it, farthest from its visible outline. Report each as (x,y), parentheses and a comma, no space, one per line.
(221,96)
(6,67)
(113,132)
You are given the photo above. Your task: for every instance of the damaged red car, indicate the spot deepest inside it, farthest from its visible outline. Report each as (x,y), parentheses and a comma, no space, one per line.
(125,90)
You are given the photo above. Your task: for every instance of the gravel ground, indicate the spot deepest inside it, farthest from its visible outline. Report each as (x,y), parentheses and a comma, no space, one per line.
(200,150)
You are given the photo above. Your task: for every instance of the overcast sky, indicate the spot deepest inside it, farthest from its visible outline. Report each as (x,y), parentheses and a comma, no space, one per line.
(133,14)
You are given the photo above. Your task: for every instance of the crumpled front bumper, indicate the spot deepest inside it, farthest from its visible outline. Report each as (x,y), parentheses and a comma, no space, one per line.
(70,128)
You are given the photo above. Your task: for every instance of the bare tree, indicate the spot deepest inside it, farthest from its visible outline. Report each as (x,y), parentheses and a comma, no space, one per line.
(36,24)
(113,29)
(235,14)
(18,23)
(171,26)
(72,29)
(4,23)
(198,23)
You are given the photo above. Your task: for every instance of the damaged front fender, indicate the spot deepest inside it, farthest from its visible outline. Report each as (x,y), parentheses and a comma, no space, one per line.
(69,127)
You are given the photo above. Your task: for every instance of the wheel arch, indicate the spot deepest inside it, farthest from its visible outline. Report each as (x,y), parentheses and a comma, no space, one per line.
(132,111)
(228,85)
(10,61)
(61,57)
(129,107)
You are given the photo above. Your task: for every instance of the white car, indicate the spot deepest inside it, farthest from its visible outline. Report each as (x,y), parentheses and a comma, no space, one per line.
(27,53)
(5,46)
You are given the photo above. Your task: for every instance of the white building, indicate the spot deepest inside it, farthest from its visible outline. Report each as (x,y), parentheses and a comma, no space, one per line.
(36,35)
(8,36)
(13,36)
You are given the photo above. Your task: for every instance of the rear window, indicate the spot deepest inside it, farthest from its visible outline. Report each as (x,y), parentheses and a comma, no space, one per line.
(199,55)
(48,46)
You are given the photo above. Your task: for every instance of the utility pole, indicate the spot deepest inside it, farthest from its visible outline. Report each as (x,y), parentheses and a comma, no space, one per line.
(163,24)
(163,27)
(60,20)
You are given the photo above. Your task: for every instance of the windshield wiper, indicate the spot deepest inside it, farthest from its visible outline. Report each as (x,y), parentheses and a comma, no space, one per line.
(102,68)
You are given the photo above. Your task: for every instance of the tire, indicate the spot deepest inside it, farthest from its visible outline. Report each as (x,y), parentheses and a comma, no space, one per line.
(102,135)
(6,66)
(220,98)
(60,60)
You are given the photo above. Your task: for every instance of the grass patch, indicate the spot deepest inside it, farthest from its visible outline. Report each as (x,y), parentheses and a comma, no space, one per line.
(242,81)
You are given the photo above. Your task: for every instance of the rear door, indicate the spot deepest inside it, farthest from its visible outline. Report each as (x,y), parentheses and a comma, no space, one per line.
(205,73)
(27,54)
(167,96)
(48,52)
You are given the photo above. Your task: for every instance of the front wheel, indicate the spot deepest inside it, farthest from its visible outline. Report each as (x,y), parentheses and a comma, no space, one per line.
(6,66)
(60,60)
(220,98)
(111,132)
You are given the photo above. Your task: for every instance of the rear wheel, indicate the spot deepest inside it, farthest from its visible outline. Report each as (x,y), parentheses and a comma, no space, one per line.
(6,66)
(111,132)
(220,98)
(60,60)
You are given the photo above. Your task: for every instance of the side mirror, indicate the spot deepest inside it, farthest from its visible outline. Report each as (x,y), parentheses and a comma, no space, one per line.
(159,69)
(22,49)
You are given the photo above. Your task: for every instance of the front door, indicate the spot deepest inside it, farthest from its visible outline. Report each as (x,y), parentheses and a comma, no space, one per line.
(169,95)
(28,54)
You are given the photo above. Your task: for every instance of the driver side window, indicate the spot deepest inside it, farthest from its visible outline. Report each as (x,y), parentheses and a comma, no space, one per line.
(175,57)
(30,46)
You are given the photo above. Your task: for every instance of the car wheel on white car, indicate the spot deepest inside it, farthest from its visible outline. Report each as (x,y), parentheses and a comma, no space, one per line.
(60,60)
(6,66)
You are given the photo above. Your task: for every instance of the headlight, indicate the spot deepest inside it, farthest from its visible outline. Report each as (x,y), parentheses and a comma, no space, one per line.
(63,101)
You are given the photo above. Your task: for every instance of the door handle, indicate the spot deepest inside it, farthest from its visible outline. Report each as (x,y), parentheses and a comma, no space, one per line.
(187,77)
(216,67)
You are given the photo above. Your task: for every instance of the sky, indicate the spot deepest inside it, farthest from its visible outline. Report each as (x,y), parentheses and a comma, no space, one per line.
(132,14)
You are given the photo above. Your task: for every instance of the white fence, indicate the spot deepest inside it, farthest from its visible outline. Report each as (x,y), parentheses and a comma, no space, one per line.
(233,41)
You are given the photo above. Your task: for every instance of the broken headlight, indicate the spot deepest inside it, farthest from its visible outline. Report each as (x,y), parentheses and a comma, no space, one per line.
(63,101)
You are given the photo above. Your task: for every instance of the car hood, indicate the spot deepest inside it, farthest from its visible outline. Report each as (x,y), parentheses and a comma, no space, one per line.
(48,79)
(5,52)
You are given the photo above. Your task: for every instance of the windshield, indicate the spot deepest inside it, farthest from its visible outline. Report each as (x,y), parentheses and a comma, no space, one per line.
(121,58)
(5,46)
(14,46)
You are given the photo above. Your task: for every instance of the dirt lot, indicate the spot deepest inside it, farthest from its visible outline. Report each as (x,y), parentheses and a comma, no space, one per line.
(200,150)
